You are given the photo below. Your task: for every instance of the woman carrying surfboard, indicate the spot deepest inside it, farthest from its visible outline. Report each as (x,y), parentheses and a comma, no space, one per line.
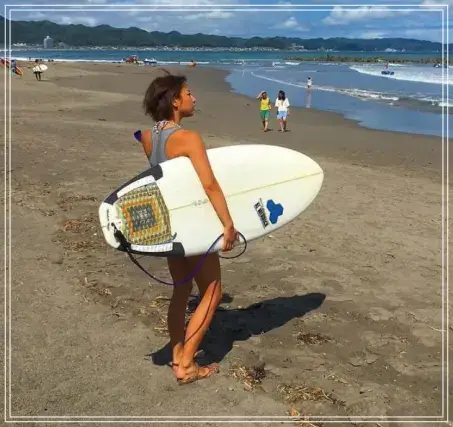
(168,100)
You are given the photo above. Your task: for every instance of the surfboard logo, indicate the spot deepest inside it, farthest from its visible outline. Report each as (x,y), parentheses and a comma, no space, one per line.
(259,208)
(275,211)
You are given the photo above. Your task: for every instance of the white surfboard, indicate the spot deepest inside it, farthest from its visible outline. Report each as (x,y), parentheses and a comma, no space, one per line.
(165,211)
(39,68)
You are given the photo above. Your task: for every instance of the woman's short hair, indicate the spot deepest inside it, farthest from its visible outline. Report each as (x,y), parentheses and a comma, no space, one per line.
(159,97)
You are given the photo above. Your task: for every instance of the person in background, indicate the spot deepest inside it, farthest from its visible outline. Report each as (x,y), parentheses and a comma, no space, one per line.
(36,71)
(282,105)
(309,84)
(13,66)
(265,109)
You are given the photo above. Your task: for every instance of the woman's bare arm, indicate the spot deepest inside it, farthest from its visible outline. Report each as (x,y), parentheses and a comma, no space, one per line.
(190,144)
(145,139)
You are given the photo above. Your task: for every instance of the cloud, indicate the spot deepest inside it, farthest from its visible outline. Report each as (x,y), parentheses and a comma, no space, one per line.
(215,14)
(59,18)
(290,24)
(424,34)
(339,21)
(437,2)
(342,16)
(372,35)
(74,19)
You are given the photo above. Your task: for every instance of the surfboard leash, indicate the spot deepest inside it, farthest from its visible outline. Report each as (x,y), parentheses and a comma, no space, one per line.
(127,246)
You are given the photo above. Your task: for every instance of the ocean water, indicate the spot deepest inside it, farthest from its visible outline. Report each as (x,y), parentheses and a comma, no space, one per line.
(413,100)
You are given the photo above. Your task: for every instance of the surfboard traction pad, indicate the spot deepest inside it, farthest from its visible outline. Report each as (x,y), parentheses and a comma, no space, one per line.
(145,216)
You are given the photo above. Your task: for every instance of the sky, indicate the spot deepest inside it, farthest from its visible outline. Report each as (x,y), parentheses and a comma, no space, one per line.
(382,19)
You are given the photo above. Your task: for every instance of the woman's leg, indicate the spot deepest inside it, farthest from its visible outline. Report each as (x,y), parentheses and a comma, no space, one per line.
(177,310)
(263,119)
(209,284)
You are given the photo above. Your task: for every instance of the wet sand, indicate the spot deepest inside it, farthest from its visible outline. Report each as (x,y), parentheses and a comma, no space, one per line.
(337,315)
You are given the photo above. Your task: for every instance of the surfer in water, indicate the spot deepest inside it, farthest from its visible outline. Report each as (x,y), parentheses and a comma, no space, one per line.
(168,100)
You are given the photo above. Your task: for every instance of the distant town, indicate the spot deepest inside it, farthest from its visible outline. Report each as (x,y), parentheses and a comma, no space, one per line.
(48,43)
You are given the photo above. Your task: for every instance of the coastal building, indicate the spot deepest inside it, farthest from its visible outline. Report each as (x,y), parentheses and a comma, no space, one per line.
(48,43)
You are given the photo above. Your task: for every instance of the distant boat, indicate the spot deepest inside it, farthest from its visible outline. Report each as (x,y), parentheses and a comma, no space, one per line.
(149,61)
(440,65)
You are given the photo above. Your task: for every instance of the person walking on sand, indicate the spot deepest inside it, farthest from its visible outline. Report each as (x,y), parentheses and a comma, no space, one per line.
(265,109)
(282,105)
(168,100)
(37,71)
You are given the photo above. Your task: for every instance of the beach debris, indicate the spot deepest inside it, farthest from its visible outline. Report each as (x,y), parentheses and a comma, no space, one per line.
(249,376)
(293,393)
(312,338)
(294,413)
(355,361)
(49,212)
(158,302)
(335,378)
(365,389)
(73,225)
(56,259)
(104,292)
(66,201)
(304,419)
(370,358)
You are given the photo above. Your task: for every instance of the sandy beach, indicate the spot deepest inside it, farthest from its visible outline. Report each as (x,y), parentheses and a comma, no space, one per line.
(337,315)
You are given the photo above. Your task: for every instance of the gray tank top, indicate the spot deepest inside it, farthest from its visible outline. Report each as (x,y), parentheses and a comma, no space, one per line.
(159,143)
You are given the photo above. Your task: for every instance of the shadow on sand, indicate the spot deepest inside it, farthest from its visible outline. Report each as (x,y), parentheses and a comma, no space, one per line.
(233,325)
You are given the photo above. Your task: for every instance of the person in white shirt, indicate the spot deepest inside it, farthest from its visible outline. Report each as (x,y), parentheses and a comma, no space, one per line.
(282,105)
(309,83)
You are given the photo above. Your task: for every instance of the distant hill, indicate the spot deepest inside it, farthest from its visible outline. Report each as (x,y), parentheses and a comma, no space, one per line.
(33,32)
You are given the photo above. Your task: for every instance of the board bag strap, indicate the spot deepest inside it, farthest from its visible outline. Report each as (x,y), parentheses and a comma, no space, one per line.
(128,248)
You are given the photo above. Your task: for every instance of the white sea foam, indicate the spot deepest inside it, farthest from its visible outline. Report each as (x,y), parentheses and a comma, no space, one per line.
(357,93)
(408,73)
(360,93)
(365,95)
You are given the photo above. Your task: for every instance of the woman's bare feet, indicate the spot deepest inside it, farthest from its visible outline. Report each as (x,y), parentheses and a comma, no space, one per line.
(176,360)
(194,372)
